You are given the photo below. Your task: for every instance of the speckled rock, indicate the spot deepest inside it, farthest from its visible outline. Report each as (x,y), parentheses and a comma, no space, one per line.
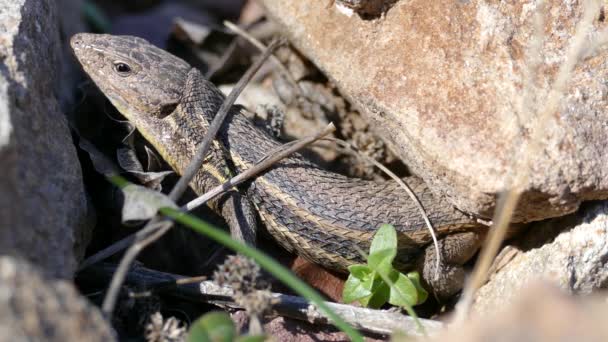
(540,313)
(44,215)
(576,260)
(442,83)
(33,308)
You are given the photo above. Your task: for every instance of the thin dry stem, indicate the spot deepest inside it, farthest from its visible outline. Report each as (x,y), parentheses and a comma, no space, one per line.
(259,45)
(215,125)
(255,325)
(351,149)
(599,40)
(370,320)
(533,61)
(523,163)
(267,161)
(143,240)
(114,248)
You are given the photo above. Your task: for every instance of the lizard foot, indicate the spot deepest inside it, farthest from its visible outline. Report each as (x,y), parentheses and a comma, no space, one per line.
(455,250)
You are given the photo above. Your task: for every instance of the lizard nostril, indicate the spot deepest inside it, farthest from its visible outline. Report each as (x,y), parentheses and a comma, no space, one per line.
(76,41)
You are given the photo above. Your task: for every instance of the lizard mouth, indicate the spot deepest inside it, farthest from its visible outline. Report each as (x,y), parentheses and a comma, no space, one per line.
(81,50)
(78,44)
(88,52)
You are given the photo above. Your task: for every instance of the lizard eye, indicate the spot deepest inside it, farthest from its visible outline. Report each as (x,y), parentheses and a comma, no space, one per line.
(123,69)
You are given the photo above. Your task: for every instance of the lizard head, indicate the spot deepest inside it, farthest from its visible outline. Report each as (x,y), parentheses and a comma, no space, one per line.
(141,80)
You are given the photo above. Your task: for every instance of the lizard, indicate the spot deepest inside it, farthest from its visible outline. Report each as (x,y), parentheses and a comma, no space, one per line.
(322,216)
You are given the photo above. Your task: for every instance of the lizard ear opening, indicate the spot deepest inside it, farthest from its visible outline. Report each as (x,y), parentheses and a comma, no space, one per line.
(166,109)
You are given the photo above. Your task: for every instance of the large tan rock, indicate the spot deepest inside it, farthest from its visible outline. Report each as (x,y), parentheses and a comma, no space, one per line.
(441,82)
(540,313)
(575,260)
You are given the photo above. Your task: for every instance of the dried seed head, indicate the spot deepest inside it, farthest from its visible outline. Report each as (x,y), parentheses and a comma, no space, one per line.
(159,330)
(243,276)
(240,273)
(256,303)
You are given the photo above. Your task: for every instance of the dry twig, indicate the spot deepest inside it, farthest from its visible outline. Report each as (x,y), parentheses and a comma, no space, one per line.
(150,233)
(370,320)
(345,146)
(255,42)
(267,161)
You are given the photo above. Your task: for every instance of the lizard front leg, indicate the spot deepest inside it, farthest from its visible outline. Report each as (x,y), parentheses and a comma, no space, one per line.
(455,249)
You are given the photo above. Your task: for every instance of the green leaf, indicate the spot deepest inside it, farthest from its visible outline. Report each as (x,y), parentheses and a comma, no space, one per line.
(381,292)
(382,262)
(415,278)
(383,249)
(407,291)
(213,327)
(269,264)
(360,271)
(385,238)
(142,203)
(355,287)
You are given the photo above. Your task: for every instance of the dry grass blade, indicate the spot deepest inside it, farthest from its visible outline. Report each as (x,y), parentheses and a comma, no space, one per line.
(522,163)
(150,233)
(269,160)
(370,320)
(599,40)
(352,150)
(253,41)
(215,125)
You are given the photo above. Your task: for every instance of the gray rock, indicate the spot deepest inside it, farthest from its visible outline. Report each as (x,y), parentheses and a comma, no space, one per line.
(441,82)
(33,308)
(44,215)
(71,72)
(576,261)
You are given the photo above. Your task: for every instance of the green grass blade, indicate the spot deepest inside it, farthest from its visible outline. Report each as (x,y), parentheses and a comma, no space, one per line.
(95,16)
(265,262)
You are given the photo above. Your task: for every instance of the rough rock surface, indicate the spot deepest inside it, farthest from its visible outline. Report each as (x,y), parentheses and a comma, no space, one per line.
(44,215)
(442,83)
(33,308)
(540,313)
(576,261)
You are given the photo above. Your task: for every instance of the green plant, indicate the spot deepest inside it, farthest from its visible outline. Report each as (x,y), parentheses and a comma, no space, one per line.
(377,282)
(266,263)
(217,327)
